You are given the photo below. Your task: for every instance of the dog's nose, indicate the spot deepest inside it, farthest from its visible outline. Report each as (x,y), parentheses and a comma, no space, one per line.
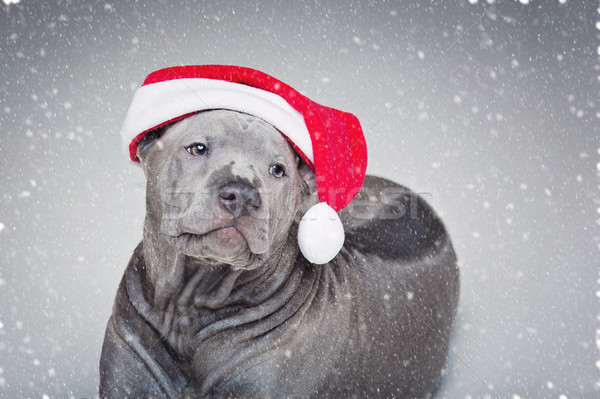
(239,197)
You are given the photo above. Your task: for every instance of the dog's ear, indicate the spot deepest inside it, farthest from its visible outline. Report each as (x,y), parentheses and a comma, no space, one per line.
(307,176)
(148,141)
(308,190)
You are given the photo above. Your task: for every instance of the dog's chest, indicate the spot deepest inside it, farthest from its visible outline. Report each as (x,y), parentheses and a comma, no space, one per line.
(241,344)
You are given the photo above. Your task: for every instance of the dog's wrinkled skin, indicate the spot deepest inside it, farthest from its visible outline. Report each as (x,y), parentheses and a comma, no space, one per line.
(217,300)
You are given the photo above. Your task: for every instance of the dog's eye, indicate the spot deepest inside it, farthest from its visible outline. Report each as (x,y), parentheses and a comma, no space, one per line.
(277,170)
(197,149)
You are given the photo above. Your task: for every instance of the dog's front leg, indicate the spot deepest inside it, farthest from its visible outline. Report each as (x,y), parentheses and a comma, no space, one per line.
(135,362)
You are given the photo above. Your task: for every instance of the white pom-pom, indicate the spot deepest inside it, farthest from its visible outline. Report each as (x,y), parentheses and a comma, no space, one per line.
(320,234)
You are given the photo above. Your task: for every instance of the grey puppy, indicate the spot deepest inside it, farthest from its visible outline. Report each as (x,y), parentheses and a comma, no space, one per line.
(217,300)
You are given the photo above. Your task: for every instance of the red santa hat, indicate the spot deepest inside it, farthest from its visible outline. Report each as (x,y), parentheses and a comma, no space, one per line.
(330,141)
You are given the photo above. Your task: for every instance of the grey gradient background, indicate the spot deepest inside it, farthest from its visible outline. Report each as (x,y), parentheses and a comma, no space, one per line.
(490,109)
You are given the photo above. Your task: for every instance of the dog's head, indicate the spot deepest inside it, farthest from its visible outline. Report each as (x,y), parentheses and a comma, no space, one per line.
(223,187)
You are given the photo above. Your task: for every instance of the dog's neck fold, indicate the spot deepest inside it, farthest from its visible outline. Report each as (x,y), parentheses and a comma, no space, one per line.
(171,276)
(192,299)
